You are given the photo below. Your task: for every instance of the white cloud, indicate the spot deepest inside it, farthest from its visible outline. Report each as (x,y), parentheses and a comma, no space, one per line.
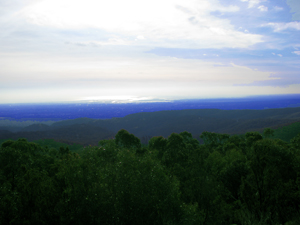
(277,8)
(110,41)
(263,8)
(284,26)
(279,55)
(297,52)
(46,70)
(168,23)
(140,37)
(252,3)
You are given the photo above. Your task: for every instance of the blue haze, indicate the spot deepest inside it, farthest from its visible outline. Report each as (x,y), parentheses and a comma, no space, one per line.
(64,111)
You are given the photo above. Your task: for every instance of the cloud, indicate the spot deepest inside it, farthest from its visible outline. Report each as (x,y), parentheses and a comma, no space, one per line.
(7,7)
(273,82)
(168,23)
(263,8)
(284,26)
(297,52)
(277,8)
(115,45)
(143,76)
(46,70)
(281,79)
(252,3)
(110,42)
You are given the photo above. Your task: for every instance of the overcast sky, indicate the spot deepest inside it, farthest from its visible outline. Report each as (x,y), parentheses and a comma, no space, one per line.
(67,50)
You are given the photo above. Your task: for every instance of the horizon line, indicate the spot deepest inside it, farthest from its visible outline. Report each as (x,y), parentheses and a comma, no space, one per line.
(135,99)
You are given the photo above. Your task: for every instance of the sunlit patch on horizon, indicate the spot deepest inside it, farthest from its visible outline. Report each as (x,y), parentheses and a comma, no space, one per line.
(120,99)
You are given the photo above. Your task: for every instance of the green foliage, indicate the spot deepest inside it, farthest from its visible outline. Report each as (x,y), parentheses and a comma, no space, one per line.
(189,140)
(233,172)
(247,179)
(296,142)
(176,152)
(252,137)
(146,194)
(213,140)
(50,143)
(272,172)
(268,133)
(25,185)
(286,133)
(7,143)
(159,144)
(126,140)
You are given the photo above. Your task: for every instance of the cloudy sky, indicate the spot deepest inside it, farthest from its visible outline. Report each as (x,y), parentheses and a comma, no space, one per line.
(68,50)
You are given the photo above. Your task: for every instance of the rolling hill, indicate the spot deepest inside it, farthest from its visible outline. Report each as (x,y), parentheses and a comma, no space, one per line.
(148,124)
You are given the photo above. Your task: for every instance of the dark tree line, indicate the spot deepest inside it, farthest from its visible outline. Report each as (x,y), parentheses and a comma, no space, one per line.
(246,179)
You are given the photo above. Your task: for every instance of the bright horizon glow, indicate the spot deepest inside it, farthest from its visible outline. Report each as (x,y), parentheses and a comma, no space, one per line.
(135,51)
(118,99)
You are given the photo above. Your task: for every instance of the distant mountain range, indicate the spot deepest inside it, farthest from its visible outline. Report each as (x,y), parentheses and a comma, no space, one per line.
(96,110)
(162,123)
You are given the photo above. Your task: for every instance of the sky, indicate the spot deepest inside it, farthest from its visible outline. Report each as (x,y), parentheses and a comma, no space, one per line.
(71,50)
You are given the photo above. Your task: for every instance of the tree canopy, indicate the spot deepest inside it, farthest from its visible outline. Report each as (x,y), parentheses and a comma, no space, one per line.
(245,179)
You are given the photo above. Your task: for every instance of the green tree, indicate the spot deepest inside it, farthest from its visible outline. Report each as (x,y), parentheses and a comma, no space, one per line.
(252,137)
(214,141)
(189,140)
(27,191)
(176,152)
(268,188)
(268,133)
(126,140)
(144,193)
(158,144)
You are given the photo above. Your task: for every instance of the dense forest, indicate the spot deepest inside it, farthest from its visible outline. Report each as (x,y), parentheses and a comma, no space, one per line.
(252,178)
(87,131)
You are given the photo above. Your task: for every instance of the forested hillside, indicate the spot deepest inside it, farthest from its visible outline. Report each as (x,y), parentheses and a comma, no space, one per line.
(145,125)
(245,179)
